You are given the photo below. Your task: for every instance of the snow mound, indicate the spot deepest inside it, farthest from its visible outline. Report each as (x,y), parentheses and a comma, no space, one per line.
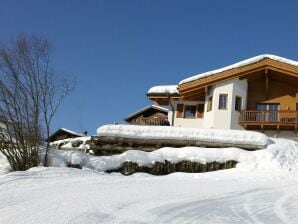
(178,133)
(4,164)
(240,64)
(60,158)
(280,154)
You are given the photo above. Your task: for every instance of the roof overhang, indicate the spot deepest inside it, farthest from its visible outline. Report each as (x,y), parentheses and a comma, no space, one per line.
(162,94)
(188,88)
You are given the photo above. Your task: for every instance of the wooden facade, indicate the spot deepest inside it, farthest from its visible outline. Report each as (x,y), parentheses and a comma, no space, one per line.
(63,133)
(277,94)
(272,89)
(151,115)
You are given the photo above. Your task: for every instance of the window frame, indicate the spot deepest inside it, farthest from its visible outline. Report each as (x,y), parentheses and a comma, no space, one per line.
(226,101)
(209,103)
(185,110)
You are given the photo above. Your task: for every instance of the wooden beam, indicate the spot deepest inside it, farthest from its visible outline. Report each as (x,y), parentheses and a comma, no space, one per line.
(267,84)
(194,93)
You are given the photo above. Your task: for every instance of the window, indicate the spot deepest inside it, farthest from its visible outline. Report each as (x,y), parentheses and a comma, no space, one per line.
(223,101)
(190,111)
(209,104)
(180,108)
(238,103)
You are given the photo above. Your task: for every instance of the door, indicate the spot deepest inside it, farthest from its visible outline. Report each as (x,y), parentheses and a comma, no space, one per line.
(268,112)
(272,115)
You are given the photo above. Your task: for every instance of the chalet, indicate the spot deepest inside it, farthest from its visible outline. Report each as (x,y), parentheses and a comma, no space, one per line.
(64,133)
(150,115)
(260,93)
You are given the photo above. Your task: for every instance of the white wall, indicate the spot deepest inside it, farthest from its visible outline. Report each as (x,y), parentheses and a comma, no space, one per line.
(185,122)
(216,118)
(239,89)
(225,119)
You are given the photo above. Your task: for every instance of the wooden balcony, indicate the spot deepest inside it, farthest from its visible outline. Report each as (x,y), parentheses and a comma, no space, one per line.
(152,121)
(274,120)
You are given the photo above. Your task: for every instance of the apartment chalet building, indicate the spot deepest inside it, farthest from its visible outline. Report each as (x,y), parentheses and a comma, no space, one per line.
(260,93)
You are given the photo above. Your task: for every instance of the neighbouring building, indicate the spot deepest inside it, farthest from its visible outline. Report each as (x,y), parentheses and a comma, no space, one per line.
(64,133)
(150,115)
(260,93)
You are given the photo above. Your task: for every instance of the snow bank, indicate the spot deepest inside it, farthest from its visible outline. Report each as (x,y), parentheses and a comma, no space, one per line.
(173,155)
(4,164)
(279,155)
(240,64)
(169,89)
(72,143)
(60,158)
(178,133)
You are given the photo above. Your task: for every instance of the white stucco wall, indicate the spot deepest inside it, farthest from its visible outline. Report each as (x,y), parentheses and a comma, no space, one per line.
(185,122)
(216,118)
(239,89)
(225,119)
(222,118)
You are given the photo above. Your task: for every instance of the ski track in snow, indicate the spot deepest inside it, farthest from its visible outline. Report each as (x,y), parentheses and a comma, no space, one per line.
(64,195)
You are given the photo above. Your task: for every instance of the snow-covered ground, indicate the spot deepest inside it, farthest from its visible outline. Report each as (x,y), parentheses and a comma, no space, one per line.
(263,188)
(66,195)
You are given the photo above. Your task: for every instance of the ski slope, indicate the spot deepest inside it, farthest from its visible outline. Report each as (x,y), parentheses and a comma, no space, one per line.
(66,195)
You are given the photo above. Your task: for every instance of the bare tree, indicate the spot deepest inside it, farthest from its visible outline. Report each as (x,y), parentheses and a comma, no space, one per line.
(30,94)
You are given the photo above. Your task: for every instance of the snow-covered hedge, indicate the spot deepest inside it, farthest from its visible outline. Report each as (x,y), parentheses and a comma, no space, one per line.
(280,154)
(177,133)
(81,143)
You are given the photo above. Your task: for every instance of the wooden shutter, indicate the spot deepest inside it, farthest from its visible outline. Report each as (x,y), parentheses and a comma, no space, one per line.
(179,113)
(200,110)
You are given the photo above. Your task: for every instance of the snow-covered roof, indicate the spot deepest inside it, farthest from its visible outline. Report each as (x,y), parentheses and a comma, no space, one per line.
(72,132)
(167,89)
(240,64)
(66,130)
(144,109)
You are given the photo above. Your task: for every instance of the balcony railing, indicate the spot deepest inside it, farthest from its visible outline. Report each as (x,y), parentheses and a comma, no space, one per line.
(152,121)
(268,117)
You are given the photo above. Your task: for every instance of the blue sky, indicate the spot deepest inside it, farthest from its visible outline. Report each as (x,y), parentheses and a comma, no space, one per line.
(117,50)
